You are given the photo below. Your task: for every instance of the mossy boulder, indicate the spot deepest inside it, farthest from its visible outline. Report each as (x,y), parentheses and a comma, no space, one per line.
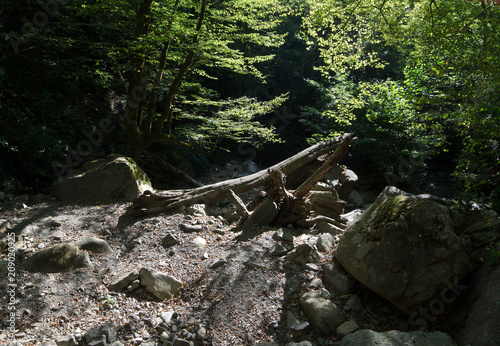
(60,258)
(405,249)
(114,179)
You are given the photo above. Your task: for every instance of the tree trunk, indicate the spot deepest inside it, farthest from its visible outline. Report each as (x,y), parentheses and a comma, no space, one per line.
(150,203)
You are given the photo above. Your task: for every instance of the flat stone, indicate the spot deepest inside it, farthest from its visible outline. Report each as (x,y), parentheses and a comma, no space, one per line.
(169,240)
(219,263)
(280,250)
(66,340)
(124,281)
(346,328)
(188,228)
(160,285)
(326,227)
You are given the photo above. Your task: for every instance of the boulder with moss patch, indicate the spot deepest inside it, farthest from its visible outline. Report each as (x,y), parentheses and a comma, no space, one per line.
(60,258)
(404,248)
(114,179)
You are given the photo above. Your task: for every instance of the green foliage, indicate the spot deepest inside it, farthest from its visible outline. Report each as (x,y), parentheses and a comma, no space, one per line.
(451,82)
(381,115)
(72,70)
(211,122)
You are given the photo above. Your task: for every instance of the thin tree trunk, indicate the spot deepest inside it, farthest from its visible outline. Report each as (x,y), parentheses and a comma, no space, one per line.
(136,90)
(167,114)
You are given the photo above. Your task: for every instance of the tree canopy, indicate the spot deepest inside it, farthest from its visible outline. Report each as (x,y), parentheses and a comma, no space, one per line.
(411,79)
(445,81)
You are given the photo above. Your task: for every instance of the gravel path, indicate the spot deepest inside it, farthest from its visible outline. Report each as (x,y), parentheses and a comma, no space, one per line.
(242,302)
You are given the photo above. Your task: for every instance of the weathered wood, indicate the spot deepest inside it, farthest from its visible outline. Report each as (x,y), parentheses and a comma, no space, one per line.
(333,160)
(161,201)
(281,193)
(314,220)
(325,199)
(241,209)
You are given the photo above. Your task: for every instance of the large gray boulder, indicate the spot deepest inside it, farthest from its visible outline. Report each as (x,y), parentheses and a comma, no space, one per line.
(404,248)
(114,179)
(481,327)
(396,338)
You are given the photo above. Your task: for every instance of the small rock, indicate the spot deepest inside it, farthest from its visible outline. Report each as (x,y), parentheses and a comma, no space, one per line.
(102,335)
(197,210)
(325,294)
(124,281)
(303,254)
(312,266)
(283,235)
(219,263)
(355,303)
(352,216)
(291,320)
(316,283)
(201,333)
(280,250)
(167,316)
(133,286)
(263,215)
(199,242)
(185,227)
(250,338)
(164,336)
(346,328)
(253,265)
(339,281)
(182,342)
(324,242)
(169,240)
(162,286)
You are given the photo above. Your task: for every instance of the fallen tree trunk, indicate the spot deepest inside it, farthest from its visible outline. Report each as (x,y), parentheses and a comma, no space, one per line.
(161,201)
(297,207)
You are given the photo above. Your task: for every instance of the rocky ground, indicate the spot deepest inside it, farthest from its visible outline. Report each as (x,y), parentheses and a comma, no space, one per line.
(238,287)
